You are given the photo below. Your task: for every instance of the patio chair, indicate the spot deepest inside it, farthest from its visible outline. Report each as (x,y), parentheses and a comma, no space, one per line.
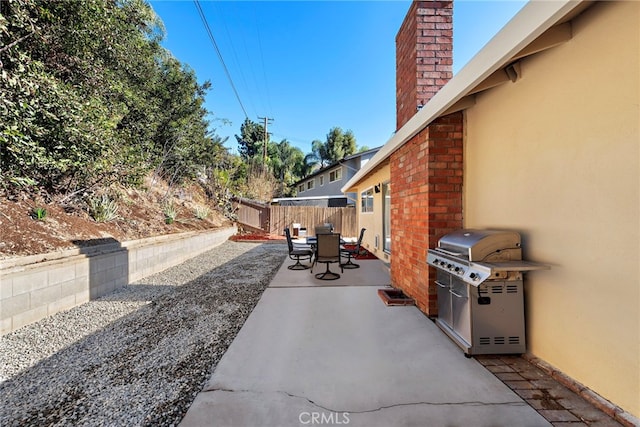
(352,252)
(327,251)
(297,252)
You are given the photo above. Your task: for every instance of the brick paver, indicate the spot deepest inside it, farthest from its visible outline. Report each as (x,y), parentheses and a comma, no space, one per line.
(558,404)
(558,415)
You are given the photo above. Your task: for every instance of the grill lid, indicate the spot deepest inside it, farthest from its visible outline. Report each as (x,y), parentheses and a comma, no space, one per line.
(478,245)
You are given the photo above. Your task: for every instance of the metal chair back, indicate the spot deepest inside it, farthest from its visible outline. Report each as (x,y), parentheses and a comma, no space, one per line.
(328,247)
(327,252)
(352,252)
(359,243)
(289,242)
(298,252)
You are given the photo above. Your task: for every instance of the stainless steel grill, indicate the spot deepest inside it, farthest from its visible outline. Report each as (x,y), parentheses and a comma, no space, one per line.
(480,290)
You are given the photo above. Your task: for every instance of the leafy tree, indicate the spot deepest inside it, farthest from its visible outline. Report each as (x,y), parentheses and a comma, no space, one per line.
(89,97)
(58,127)
(340,144)
(333,144)
(181,141)
(284,163)
(223,176)
(251,140)
(319,156)
(336,146)
(287,163)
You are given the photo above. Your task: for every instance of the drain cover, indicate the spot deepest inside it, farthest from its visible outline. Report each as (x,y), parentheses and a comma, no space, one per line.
(394,297)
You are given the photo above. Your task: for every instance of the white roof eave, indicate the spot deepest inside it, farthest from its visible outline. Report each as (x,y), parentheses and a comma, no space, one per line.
(533,20)
(334,196)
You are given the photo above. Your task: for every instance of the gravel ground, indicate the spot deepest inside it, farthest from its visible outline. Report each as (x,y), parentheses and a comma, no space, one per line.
(140,355)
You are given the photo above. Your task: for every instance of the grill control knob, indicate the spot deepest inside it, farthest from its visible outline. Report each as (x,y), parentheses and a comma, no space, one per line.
(457,270)
(473,276)
(449,266)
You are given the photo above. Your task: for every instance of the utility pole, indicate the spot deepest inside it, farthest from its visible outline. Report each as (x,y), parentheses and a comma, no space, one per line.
(267,120)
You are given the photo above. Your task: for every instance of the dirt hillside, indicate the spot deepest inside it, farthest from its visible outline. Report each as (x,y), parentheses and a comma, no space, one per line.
(140,214)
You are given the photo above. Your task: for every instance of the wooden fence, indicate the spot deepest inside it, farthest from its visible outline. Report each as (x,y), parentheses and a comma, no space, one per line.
(253,214)
(343,219)
(273,219)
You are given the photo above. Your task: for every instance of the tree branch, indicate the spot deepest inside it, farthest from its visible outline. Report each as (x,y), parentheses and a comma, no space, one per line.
(10,45)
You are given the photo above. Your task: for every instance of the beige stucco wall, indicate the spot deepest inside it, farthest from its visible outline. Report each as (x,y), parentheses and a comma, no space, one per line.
(556,156)
(372,221)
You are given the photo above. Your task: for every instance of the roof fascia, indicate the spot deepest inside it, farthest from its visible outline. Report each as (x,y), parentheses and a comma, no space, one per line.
(334,196)
(362,153)
(338,163)
(316,173)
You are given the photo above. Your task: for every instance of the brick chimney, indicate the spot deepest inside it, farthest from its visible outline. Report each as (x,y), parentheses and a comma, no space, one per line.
(424,56)
(427,170)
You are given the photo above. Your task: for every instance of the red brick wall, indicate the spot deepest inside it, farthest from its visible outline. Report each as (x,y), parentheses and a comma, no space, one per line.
(424,56)
(406,68)
(426,180)
(426,172)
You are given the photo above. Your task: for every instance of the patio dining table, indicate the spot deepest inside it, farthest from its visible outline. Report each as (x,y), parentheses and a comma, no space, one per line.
(312,240)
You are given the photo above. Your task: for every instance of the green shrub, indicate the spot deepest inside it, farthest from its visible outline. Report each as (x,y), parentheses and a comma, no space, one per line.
(39,213)
(170,213)
(201,212)
(103,209)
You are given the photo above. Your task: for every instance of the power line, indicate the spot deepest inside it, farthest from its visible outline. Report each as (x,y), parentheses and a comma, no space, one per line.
(293,139)
(231,43)
(264,70)
(215,45)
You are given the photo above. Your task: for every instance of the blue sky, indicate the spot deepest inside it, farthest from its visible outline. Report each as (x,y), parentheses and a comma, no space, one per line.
(309,65)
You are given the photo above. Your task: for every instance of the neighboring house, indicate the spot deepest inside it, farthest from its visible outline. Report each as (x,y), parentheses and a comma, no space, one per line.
(322,188)
(538,133)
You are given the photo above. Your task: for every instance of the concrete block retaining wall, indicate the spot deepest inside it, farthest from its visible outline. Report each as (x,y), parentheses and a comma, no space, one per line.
(34,287)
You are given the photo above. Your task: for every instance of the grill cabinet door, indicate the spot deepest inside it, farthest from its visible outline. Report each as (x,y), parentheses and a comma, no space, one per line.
(461,309)
(443,281)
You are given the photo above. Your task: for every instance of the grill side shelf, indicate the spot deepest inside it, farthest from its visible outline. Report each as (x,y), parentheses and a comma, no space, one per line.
(514,266)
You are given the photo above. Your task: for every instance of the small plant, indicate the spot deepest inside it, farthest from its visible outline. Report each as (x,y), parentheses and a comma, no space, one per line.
(170,213)
(201,212)
(103,209)
(39,213)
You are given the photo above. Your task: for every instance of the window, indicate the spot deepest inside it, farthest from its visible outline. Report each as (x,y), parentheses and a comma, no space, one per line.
(301,188)
(311,184)
(386,216)
(335,175)
(366,201)
(321,180)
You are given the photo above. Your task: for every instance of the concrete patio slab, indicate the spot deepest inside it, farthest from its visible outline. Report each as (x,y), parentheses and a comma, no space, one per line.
(371,273)
(336,355)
